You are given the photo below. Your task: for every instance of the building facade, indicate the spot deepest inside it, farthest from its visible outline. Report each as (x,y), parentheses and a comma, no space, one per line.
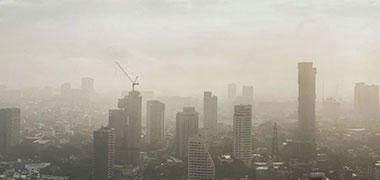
(366,99)
(186,127)
(104,153)
(132,106)
(9,128)
(242,131)
(118,121)
(210,113)
(306,102)
(155,123)
(200,164)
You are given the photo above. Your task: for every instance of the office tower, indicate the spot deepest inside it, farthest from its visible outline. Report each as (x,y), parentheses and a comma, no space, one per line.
(118,122)
(9,128)
(306,102)
(186,127)
(200,164)
(242,131)
(366,99)
(104,153)
(65,88)
(155,123)
(231,91)
(87,85)
(131,104)
(210,113)
(248,93)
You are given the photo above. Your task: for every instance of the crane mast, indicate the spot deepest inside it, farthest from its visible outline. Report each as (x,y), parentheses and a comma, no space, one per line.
(133,81)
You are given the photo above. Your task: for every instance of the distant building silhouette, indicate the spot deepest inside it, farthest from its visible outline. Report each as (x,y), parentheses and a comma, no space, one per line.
(155,122)
(186,127)
(210,113)
(242,134)
(65,89)
(9,128)
(200,163)
(306,102)
(232,91)
(104,154)
(247,93)
(366,99)
(87,85)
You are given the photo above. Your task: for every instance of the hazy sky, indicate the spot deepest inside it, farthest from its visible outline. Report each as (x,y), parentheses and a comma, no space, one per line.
(187,46)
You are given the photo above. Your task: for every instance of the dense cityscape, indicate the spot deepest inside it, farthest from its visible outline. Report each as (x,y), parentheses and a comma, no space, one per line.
(76,133)
(189,90)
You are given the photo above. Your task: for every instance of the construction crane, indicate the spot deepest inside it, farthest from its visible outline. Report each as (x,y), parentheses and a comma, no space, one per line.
(134,82)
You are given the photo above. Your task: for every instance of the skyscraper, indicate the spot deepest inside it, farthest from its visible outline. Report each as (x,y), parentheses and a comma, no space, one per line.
(131,104)
(200,164)
(155,122)
(118,121)
(242,131)
(104,153)
(232,91)
(87,85)
(9,128)
(210,113)
(306,102)
(366,99)
(186,127)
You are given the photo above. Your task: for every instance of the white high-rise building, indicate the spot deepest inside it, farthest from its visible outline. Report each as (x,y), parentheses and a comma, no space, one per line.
(242,127)
(200,164)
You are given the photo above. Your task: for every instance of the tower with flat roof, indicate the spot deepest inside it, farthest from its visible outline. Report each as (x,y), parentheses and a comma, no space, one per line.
(210,113)
(186,127)
(9,128)
(242,133)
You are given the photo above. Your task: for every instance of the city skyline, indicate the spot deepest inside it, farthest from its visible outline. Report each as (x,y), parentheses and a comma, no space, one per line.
(189,90)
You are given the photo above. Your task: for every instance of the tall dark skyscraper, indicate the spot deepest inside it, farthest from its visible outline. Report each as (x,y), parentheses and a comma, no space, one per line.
(9,128)
(210,113)
(155,123)
(366,99)
(186,127)
(104,154)
(118,121)
(132,105)
(306,102)
(232,91)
